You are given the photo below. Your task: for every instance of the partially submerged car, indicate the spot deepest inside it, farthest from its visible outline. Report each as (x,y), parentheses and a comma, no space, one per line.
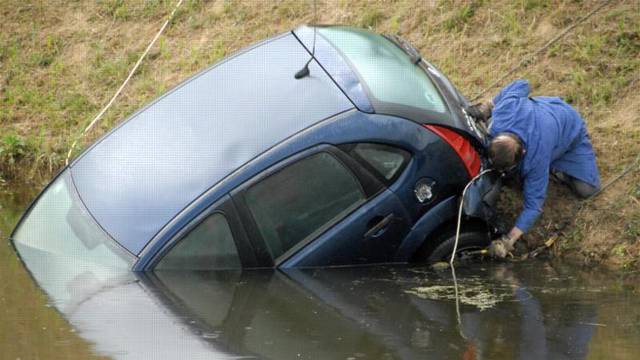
(245,165)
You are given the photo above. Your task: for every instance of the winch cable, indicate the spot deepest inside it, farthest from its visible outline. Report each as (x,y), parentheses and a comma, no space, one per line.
(457,295)
(117,93)
(464,192)
(529,59)
(460,326)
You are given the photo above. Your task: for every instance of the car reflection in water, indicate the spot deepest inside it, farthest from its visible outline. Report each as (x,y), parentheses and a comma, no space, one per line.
(380,313)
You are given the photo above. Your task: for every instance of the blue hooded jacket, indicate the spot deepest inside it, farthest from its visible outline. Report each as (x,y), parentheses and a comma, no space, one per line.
(554,137)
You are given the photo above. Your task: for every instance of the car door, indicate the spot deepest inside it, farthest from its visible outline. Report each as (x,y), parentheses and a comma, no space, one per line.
(321,207)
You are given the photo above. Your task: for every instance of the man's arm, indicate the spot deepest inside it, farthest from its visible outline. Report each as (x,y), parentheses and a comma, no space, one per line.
(535,191)
(514,234)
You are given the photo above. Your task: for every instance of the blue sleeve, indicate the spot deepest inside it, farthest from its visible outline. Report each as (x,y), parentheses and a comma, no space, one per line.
(535,191)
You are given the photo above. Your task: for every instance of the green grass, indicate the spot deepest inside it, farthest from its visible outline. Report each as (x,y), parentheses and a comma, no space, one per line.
(370,18)
(604,64)
(460,17)
(632,227)
(571,240)
(48,52)
(13,148)
(116,9)
(511,24)
(528,5)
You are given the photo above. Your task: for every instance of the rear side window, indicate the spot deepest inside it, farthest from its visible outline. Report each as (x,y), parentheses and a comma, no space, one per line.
(302,200)
(385,161)
(209,246)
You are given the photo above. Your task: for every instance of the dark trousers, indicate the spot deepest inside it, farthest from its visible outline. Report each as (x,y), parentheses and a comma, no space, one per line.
(579,187)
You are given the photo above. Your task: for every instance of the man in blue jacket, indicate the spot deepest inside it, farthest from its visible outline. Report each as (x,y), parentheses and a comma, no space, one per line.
(536,136)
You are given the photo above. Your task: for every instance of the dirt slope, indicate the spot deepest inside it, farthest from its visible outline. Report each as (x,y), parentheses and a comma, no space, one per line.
(61,61)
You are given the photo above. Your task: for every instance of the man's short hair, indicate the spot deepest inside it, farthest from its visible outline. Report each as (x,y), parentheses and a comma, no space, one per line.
(505,151)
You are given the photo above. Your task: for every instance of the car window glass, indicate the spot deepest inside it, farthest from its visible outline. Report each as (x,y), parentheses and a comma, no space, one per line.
(384,159)
(302,200)
(209,246)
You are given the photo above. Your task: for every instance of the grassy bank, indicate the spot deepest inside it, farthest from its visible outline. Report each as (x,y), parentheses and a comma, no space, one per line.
(61,61)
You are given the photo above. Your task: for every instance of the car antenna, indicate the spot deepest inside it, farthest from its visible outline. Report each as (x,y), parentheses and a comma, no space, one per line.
(304,72)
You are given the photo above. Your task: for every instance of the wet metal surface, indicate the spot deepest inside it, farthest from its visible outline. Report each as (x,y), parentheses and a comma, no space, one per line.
(531,310)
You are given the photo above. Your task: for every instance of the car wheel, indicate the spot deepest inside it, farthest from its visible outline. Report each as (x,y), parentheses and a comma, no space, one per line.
(440,248)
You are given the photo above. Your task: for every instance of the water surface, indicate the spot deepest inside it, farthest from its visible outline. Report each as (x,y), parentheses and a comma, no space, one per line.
(532,310)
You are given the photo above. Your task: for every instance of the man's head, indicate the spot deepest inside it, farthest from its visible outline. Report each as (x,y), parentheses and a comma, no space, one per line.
(505,151)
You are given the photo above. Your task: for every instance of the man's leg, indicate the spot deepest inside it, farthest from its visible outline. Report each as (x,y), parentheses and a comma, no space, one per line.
(580,188)
(580,162)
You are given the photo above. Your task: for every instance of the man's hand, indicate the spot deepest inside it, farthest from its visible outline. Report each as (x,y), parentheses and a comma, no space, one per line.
(502,247)
(481,111)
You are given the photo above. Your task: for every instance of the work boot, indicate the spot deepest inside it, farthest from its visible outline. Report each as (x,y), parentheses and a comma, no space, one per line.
(559,177)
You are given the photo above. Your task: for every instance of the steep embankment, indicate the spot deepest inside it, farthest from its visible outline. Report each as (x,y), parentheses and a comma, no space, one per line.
(61,61)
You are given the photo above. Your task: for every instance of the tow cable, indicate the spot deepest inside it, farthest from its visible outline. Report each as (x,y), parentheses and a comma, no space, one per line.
(464,192)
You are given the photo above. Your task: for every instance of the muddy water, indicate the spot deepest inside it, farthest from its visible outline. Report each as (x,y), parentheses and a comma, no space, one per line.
(29,328)
(532,310)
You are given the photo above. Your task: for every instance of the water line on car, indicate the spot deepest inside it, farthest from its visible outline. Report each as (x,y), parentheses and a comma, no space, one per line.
(464,191)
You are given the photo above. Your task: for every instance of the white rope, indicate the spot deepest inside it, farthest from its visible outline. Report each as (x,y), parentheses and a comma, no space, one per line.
(133,70)
(458,315)
(464,192)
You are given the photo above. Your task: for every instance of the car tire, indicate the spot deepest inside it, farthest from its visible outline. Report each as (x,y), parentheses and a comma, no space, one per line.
(440,248)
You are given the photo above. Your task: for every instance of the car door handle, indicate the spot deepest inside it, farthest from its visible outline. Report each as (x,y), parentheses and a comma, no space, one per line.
(379,228)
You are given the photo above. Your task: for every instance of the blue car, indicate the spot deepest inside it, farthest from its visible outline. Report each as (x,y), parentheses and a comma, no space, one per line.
(246,165)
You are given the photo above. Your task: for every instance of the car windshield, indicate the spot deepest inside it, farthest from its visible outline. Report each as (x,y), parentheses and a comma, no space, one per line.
(387,70)
(64,247)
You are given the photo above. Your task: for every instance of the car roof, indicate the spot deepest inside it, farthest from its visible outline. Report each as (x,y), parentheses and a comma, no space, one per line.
(138,177)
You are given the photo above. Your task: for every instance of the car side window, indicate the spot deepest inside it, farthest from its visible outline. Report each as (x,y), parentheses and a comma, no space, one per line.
(384,161)
(302,200)
(208,246)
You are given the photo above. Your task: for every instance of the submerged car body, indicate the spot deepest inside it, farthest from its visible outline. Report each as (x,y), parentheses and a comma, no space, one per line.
(243,165)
